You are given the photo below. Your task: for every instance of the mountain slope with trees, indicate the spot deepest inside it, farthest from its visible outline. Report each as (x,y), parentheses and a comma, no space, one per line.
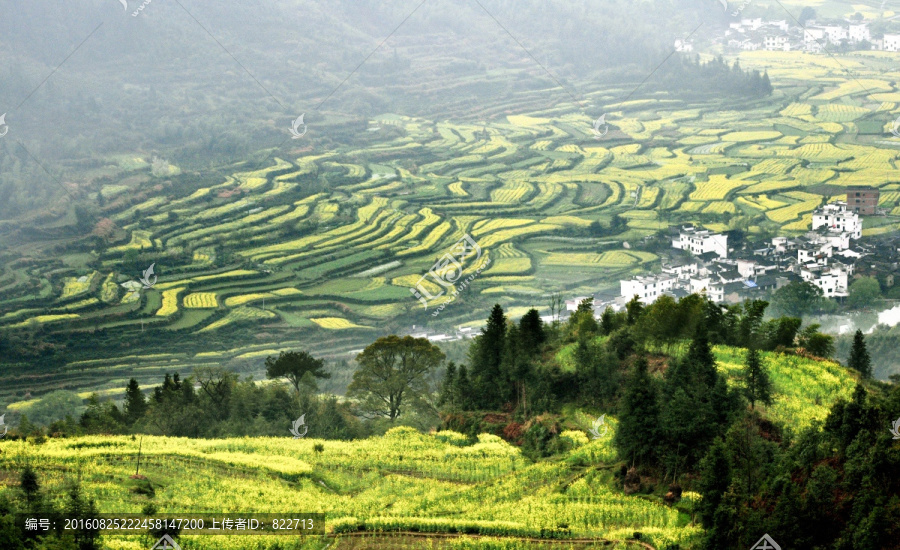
(715,412)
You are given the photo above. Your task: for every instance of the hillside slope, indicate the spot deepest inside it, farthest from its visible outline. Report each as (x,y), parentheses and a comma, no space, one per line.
(405,481)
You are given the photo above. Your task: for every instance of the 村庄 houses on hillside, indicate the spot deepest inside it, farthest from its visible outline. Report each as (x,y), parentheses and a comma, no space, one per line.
(825,257)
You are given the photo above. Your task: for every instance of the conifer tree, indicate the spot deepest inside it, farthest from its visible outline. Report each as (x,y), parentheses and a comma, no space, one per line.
(633,310)
(463,390)
(636,438)
(135,403)
(758,387)
(859,356)
(715,476)
(700,356)
(486,361)
(28,481)
(448,387)
(517,358)
(696,406)
(531,331)
(609,321)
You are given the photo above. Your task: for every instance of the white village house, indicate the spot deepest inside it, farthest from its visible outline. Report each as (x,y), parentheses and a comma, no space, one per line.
(701,241)
(648,288)
(891,43)
(836,216)
(824,257)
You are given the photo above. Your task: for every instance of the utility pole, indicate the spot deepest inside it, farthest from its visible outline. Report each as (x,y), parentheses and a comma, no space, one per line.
(137,471)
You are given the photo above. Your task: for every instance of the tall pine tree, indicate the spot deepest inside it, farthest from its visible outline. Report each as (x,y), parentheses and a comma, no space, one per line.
(636,438)
(486,361)
(135,403)
(715,476)
(462,390)
(859,356)
(531,332)
(757,386)
(696,406)
(447,397)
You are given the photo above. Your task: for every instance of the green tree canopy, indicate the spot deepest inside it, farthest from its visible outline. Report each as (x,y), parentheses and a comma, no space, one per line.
(486,358)
(797,299)
(863,292)
(531,331)
(56,405)
(392,373)
(582,322)
(293,365)
(815,342)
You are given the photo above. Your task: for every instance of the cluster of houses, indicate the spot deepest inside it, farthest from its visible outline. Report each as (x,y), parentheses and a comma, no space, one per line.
(701,262)
(759,34)
(826,257)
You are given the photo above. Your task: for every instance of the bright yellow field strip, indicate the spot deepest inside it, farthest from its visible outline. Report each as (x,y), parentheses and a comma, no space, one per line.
(140,240)
(717,188)
(41,319)
(486,226)
(429,219)
(169,302)
(794,211)
(719,207)
(741,137)
(855,86)
(239,315)
(432,239)
(74,286)
(336,323)
(509,234)
(457,189)
(201,300)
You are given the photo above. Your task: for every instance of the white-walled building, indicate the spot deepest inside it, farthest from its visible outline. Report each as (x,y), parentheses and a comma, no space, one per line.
(813,34)
(681,271)
(840,240)
(832,280)
(716,292)
(700,284)
(684,46)
(858,33)
(835,33)
(701,241)
(817,253)
(836,217)
(891,43)
(782,244)
(647,289)
(749,269)
(777,43)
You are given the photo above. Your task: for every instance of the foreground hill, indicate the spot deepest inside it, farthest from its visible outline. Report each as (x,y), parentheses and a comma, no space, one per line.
(408,482)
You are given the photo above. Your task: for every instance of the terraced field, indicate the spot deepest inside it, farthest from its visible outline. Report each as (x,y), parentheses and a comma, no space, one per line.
(324,246)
